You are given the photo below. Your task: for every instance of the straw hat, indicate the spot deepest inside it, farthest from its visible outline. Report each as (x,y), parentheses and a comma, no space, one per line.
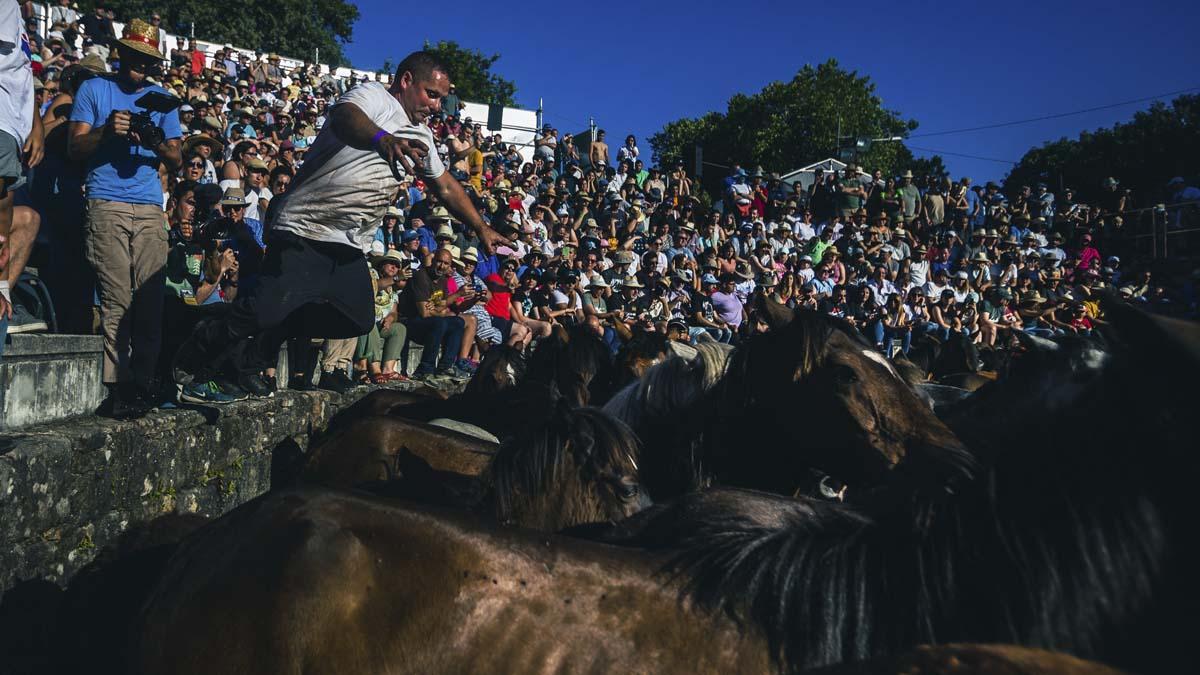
(142,38)
(471,255)
(743,271)
(191,142)
(631,282)
(392,256)
(393,212)
(439,213)
(445,232)
(94,63)
(234,196)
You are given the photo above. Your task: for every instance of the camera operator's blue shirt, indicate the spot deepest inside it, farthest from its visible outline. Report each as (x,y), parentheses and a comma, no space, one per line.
(120,171)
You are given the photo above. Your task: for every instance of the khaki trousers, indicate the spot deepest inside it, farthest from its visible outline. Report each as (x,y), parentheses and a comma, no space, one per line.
(127,247)
(336,354)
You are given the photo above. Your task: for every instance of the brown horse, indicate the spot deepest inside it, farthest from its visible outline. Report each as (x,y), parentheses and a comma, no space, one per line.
(313,581)
(807,400)
(365,450)
(579,467)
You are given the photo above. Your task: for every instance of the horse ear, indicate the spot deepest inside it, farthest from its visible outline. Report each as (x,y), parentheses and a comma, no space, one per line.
(1034,343)
(777,315)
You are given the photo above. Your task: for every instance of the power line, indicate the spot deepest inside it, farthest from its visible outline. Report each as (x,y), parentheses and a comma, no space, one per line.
(1055,115)
(959,154)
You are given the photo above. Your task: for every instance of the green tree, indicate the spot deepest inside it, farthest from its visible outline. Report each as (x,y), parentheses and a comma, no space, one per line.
(291,28)
(1143,153)
(790,124)
(471,72)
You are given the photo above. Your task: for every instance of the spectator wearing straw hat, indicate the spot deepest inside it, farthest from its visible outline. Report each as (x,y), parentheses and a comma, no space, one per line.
(380,348)
(126,225)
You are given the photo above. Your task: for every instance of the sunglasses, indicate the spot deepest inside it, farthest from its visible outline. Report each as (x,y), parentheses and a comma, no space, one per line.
(195,165)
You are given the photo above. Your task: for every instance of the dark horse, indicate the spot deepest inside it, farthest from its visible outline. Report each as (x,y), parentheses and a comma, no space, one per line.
(1076,535)
(510,393)
(808,399)
(578,467)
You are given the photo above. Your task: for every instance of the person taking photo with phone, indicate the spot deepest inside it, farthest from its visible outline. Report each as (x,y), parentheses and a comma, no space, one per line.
(126,225)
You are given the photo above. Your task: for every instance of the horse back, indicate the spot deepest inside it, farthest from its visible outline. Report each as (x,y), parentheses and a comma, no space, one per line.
(322,581)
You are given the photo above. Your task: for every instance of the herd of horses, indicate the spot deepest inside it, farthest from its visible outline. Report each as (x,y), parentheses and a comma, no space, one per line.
(798,502)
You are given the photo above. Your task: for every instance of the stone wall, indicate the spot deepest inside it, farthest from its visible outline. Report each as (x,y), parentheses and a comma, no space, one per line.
(70,487)
(49,377)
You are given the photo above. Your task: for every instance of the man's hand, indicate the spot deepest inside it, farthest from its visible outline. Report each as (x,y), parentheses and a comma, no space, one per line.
(118,123)
(490,239)
(34,147)
(5,308)
(404,152)
(387,321)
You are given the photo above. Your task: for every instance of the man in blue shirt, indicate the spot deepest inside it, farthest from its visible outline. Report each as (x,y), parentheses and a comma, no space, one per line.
(127,231)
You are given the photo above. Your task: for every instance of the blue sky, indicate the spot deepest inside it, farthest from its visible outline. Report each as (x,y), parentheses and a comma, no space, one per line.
(636,65)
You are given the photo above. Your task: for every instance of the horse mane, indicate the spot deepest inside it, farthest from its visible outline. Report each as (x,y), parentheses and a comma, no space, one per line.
(669,386)
(665,408)
(802,340)
(582,440)
(834,585)
(574,360)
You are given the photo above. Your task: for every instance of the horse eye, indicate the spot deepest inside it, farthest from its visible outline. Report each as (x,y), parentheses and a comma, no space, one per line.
(629,490)
(845,375)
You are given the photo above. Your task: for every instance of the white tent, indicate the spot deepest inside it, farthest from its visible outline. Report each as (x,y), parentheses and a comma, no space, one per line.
(804,175)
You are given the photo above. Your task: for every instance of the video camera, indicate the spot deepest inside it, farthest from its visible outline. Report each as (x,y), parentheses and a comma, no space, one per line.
(140,123)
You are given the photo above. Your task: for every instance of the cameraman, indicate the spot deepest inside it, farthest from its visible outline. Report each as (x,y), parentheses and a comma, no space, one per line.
(127,236)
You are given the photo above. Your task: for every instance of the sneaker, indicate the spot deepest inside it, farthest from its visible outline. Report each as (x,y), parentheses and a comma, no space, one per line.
(423,374)
(255,384)
(466,366)
(205,392)
(454,373)
(24,322)
(331,381)
(230,389)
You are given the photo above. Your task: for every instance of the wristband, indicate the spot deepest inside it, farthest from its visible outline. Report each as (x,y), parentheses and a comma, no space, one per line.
(378,135)
(4,290)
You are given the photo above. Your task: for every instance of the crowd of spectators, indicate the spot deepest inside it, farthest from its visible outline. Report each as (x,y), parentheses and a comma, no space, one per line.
(595,236)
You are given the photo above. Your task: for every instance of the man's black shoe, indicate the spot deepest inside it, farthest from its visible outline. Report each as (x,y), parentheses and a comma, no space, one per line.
(330,380)
(231,389)
(255,384)
(300,383)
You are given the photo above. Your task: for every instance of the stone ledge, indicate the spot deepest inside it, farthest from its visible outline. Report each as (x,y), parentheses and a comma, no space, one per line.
(39,344)
(69,488)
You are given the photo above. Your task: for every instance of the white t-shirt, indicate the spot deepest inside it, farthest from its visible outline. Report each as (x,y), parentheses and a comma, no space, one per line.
(341,194)
(16,75)
(252,198)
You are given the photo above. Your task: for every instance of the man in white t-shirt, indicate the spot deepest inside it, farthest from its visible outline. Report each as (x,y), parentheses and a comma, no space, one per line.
(20,145)
(315,281)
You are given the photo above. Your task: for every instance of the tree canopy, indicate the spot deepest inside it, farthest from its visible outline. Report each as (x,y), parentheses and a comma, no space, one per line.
(471,72)
(1144,153)
(789,124)
(292,28)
